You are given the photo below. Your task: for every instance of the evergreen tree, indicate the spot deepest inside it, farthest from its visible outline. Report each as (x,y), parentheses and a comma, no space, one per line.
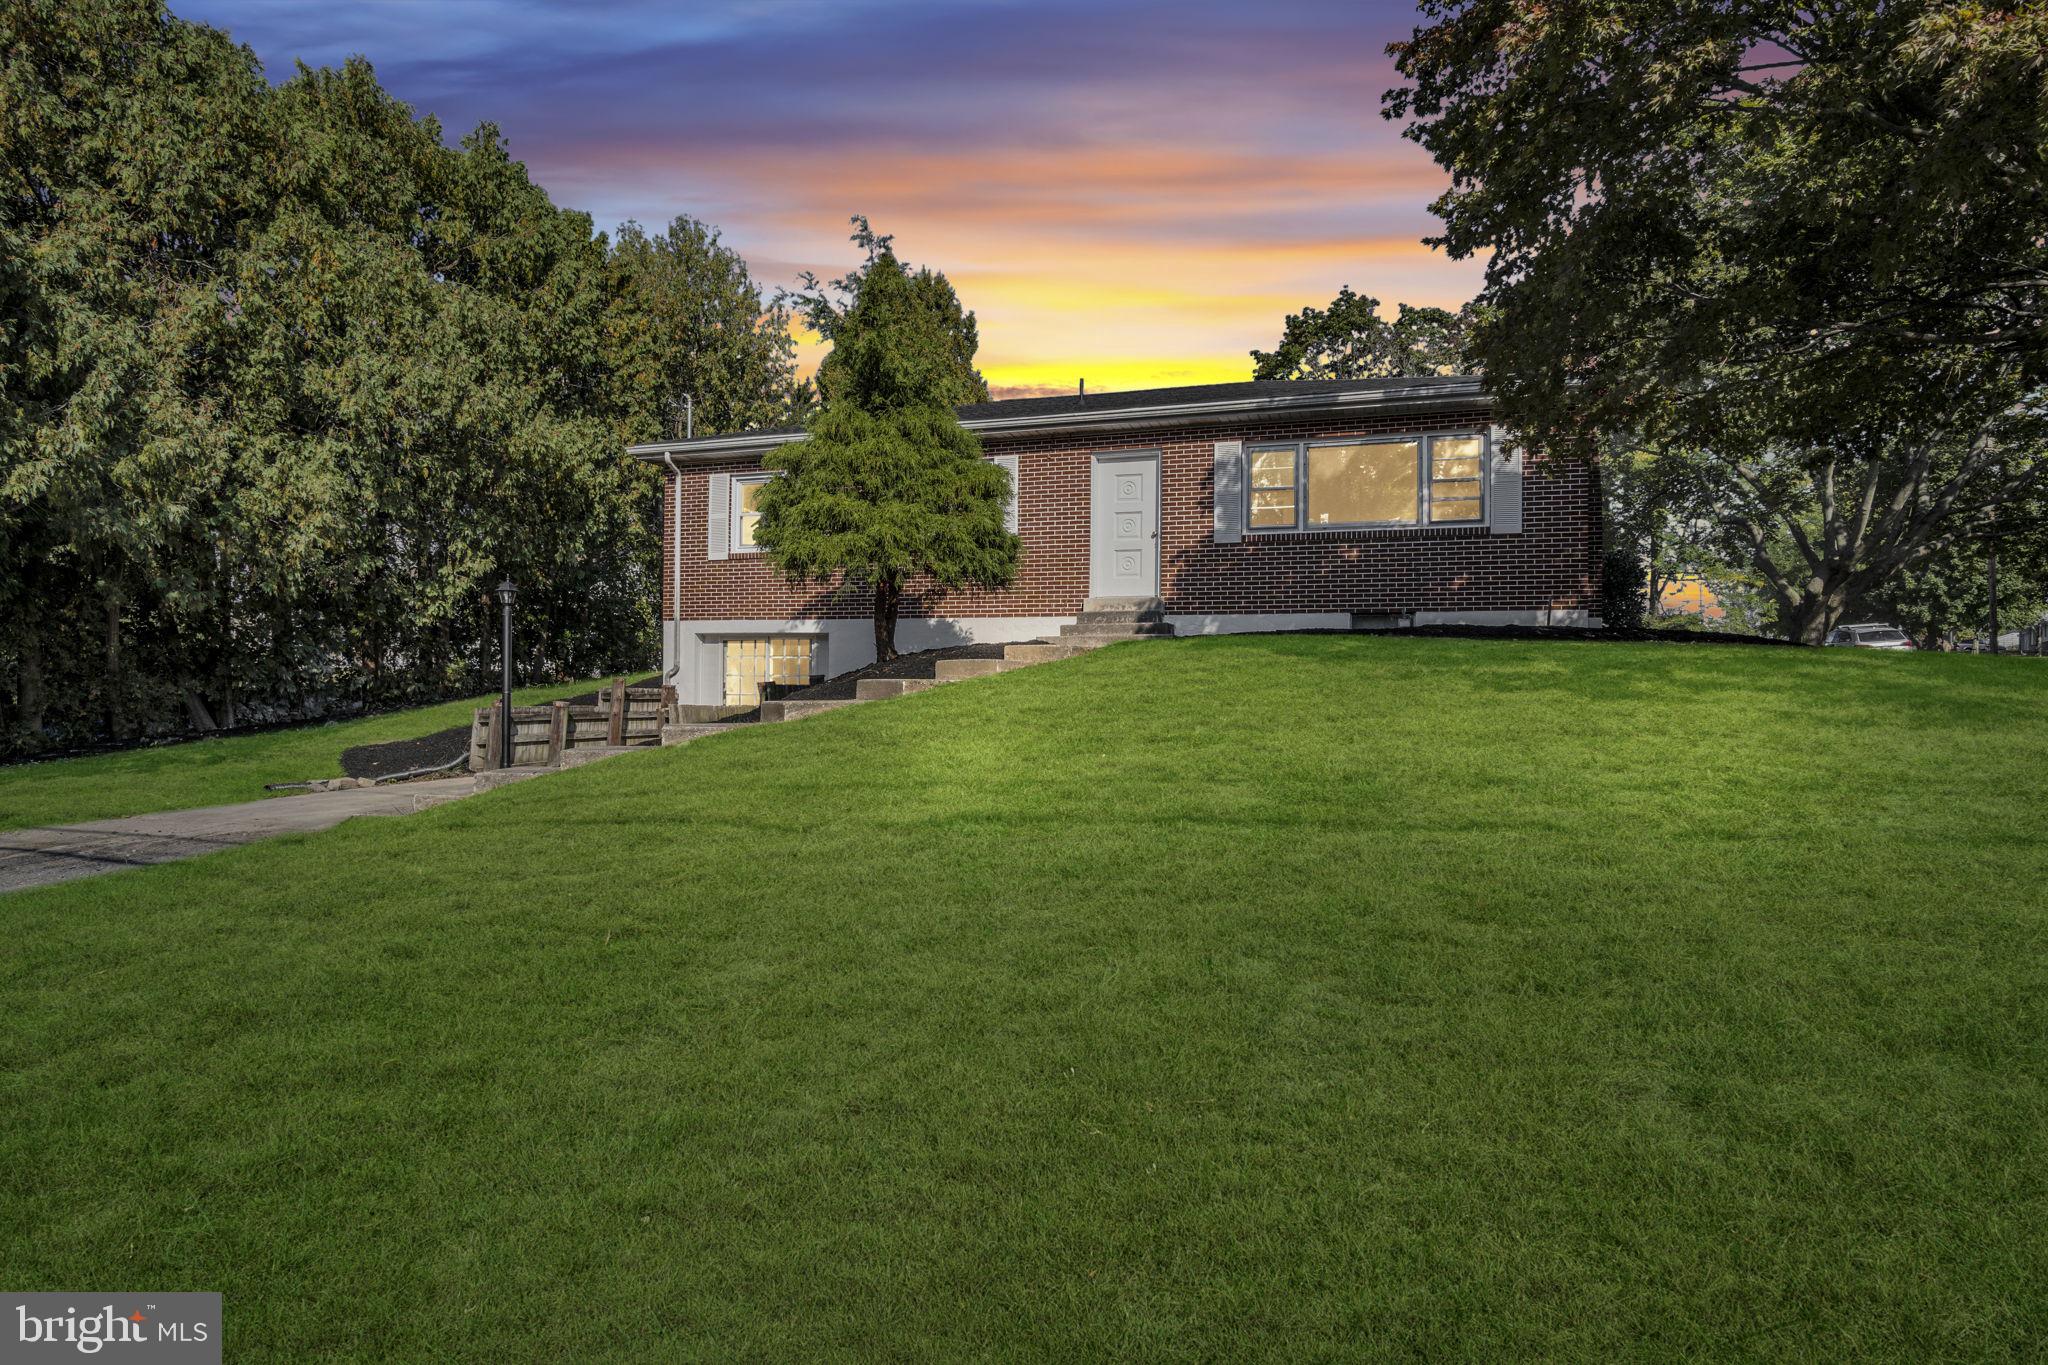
(888,486)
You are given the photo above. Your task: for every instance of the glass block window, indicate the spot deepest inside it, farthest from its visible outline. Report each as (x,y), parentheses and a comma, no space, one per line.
(766,659)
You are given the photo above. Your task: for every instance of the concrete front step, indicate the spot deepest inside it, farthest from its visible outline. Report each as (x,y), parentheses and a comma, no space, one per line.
(1096,639)
(797,710)
(1041,652)
(1144,606)
(428,800)
(684,733)
(953,670)
(1116,630)
(592,753)
(878,689)
(1124,617)
(492,778)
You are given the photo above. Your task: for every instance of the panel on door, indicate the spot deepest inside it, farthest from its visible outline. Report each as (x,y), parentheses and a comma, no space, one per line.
(1124,528)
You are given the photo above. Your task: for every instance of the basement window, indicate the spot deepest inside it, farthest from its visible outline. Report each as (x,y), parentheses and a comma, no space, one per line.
(1398,481)
(784,659)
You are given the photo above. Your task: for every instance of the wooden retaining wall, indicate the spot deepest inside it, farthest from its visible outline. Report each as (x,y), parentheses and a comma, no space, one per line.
(623,716)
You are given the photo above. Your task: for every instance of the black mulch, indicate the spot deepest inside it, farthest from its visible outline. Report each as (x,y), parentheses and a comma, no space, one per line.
(430,751)
(406,755)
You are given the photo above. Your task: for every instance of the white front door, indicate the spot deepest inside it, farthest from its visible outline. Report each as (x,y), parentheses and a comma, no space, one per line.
(1123,525)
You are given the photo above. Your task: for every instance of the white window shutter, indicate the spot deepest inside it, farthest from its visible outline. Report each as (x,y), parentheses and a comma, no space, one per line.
(1504,497)
(1229,492)
(718,517)
(1009,462)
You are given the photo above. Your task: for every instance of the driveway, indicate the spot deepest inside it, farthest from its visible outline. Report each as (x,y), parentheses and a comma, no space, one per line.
(61,853)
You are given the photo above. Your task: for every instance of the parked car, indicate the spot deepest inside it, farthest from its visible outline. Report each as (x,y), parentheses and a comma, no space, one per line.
(1870,637)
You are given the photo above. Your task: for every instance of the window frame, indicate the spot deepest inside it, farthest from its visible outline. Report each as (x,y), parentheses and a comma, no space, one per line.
(734,545)
(814,649)
(1252,487)
(1425,465)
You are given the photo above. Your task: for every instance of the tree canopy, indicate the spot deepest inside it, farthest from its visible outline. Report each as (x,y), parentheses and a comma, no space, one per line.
(1806,244)
(1350,340)
(908,342)
(888,487)
(289,382)
(687,318)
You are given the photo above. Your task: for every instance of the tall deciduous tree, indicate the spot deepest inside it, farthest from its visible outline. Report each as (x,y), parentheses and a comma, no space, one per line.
(1809,243)
(888,486)
(1949,595)
(287,382)
(1350,340)
(687,318)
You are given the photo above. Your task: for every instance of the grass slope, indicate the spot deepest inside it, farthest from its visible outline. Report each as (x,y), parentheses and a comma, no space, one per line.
(214,772)
(1227,997)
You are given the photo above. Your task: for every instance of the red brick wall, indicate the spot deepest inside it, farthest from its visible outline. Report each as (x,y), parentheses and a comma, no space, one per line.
(1554,562)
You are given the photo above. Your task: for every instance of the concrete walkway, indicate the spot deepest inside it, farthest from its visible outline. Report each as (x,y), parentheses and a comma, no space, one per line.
(61,853)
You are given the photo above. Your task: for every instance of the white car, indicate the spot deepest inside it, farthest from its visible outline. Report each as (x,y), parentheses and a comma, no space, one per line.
(1870,637)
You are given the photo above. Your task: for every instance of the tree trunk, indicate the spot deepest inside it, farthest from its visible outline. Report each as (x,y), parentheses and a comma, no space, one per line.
(29,693)
(117,720)
(1809,617)
(196,712)
(1654,607)
(224,645)
(888,598)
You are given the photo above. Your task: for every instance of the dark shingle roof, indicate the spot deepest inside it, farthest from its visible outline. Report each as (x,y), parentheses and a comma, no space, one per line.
(1189,393)
(1073,409)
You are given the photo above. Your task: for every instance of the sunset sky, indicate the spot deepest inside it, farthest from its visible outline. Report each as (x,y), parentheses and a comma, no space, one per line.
(1134,193)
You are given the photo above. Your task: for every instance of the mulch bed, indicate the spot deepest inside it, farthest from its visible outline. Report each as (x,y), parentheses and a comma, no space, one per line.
(430,751)
(406,755)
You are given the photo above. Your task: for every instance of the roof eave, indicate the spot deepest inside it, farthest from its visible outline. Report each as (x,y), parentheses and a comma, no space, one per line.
(1464,394)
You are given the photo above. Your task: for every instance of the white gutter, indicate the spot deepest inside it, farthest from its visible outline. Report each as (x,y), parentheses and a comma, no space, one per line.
(1161,414)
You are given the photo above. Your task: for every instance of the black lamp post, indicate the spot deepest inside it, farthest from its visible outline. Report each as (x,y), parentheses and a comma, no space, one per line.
(507,591)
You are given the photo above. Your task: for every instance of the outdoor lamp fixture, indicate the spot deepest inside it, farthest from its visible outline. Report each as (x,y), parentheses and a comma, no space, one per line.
(507,592)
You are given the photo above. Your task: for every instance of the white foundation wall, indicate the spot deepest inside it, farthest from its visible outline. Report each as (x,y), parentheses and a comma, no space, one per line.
(1248,623)
(1548,616)
(693,652)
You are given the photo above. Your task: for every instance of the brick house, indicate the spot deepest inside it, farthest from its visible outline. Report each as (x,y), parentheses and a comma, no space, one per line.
(1274,505)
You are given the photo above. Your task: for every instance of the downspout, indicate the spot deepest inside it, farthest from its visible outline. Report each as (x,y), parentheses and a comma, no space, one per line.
(675,521)
(668,458)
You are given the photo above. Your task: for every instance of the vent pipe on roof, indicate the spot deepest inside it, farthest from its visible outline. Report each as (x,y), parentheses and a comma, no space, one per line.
(1084,388)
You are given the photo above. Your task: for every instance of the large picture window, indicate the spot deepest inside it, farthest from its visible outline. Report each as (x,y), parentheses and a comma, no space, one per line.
(1368,484)
(1396,481)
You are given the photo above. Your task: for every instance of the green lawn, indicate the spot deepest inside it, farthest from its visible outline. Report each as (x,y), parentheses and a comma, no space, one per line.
(1288,997)
(213,772)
